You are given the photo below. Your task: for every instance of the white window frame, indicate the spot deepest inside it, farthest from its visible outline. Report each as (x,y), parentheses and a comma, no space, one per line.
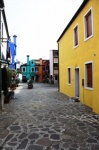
(68,76)
(22,69)
(74,46)
(32,62)
(85,75)
(32,68)
(87,38)
(37,68)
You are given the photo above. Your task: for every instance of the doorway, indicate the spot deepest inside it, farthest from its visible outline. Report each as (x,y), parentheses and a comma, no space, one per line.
(76,83)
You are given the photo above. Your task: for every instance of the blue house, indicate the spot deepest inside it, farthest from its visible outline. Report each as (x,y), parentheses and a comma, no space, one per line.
(28,70)
(11,49)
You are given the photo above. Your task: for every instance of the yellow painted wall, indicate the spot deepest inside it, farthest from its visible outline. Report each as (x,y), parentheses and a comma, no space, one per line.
(76,57)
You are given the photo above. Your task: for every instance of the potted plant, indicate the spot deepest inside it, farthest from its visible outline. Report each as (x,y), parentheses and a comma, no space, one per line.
(30,83)
(6,80)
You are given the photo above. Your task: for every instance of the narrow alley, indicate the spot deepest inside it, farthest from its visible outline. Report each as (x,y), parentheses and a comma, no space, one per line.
(42,118)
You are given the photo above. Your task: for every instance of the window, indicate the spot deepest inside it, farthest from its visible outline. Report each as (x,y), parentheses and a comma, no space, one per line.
(88,24)
(55,65)
(47,67)
(32,69)
(56,77)
(76,36)
(24,69)
(69,75)
(88,75)
(43,68)
(36,69)
(55,53)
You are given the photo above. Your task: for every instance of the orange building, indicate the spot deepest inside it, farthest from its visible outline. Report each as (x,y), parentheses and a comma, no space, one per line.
(41,69)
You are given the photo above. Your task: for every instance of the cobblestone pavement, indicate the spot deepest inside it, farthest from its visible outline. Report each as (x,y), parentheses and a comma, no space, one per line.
(44,119)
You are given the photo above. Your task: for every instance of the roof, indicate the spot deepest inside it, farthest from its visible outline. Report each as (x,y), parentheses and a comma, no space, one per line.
(24,64)
(74,17)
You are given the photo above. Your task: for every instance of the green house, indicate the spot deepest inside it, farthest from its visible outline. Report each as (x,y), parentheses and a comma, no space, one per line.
(28,70)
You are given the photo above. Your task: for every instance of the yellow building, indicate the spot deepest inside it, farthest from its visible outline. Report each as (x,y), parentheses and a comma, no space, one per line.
(79,55)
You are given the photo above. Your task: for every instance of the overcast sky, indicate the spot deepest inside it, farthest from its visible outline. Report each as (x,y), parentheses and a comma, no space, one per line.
(38,24)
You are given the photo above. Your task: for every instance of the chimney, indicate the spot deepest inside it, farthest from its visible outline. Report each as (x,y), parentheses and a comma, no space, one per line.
(14,42)
(27,59)
(14,39)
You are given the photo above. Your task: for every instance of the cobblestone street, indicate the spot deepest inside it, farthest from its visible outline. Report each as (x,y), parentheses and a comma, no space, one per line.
(44,119)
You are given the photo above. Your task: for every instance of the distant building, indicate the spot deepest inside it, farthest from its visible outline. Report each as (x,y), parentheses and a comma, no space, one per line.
(41,69)
(28,70)
(54,65)
(37,69)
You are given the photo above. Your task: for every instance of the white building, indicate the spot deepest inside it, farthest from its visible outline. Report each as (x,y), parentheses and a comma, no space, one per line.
(54,65)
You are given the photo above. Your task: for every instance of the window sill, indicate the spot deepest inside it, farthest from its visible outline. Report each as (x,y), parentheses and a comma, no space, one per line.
(88,38)
(88,88)
(76,46)
(68,83)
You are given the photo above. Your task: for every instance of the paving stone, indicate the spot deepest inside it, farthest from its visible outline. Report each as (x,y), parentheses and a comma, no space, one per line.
(66,145)
(55,137)
(45,119)
(15,128)
(8,148)
(74,145)
(34,130)
(9,137)
(97,138)
(1,148)
(48,148)
(23,135)
(1,130)
(94,133)
(45,135)
(94,146)
(72,148)
(89,140)
(45,129)
(12,144)
(32,141)
(81,124)
(5,133)
(35,147)
(14,140)
(56,146)
(51,131)
(23,144)
(65,136)
(44,142)
(33,136)
(67,140)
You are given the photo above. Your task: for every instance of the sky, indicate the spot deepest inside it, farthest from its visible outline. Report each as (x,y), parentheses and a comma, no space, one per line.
(38,24)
